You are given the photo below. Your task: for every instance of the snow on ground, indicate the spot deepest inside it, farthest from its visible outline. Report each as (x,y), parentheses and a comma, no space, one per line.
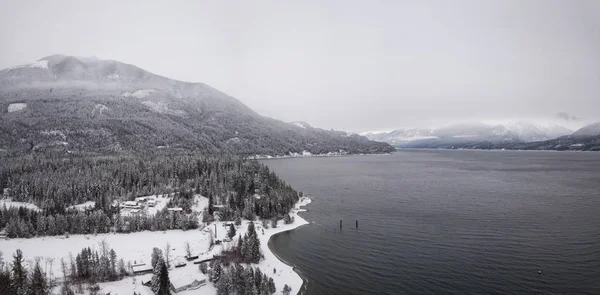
(161,202)
(8,203)
(42,64)
(14,107)
(139,94)
(285,274)
(299,125)
(83,206)
(161,107)
(137,248)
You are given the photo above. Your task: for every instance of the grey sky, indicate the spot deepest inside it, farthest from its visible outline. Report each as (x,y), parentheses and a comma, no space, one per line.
(350,65)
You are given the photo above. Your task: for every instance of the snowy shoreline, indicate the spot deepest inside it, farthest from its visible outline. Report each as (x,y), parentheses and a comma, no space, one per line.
(298,222)
(136,248)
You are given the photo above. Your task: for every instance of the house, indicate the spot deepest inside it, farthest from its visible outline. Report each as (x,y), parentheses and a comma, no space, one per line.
(141,268)
(187,281)
(130,205)
(176,209)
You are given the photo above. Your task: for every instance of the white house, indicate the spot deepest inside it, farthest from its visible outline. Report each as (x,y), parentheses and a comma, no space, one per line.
(185,280)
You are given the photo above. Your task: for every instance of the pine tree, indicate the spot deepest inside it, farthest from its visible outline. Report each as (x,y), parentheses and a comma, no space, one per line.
(217,272)
(249,281)
(286,290)
(272,288)
(225,285)
(5,282)
(231,232)
(113,263)
(19,274)
(39,285)
(161,283)
(156,256)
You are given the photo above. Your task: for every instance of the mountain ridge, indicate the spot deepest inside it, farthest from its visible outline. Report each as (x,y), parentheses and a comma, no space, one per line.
(67,105)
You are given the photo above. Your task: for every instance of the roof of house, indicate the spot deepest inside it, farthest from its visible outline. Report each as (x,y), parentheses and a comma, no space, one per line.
(132,203)
(175,209)
(141,267)
(182,277)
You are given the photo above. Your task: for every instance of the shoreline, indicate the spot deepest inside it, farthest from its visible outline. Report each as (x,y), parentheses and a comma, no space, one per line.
(270,250)
(294,268)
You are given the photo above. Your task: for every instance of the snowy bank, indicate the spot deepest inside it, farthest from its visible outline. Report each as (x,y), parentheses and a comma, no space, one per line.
(137,248)
(285,273)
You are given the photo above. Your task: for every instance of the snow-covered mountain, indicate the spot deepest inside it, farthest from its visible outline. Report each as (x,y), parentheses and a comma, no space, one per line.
(67,104)
(588,130)
(520,131)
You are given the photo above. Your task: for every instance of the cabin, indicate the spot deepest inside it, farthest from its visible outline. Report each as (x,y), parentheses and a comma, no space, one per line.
(187,281)
(141,268)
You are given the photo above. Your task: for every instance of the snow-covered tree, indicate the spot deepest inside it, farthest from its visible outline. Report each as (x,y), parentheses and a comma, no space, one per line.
(225,284)
(287,290)
(156,256)
(231,232)
(160,283)
(19,274)
(39,284)
(217,271)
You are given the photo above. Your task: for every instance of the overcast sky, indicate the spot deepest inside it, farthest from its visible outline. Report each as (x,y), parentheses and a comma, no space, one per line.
(349,65)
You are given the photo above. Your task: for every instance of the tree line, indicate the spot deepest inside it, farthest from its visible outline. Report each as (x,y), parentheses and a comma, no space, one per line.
(244,188)
(88,267)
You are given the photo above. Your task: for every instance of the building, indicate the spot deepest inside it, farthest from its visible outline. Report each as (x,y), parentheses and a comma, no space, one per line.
(141,268)
(183,281)
(176,209)
(130,205)
(151,203)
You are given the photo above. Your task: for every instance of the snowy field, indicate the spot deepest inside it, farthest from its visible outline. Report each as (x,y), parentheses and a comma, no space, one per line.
(137,248)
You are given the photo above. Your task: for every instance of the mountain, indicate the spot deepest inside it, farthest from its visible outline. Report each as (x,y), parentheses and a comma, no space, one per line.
(472,133)
(589,130)
(520,136)
(87,105)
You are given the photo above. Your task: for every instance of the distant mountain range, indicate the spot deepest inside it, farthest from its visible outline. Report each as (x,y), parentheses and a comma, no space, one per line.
(520,135)
(67,104)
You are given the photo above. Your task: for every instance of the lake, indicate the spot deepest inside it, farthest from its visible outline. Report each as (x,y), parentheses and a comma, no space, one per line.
(447,222)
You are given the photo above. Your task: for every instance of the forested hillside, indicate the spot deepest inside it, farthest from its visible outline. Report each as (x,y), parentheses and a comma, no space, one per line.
(67,105)
(245,188)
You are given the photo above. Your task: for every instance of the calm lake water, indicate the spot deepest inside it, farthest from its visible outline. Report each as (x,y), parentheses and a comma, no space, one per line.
(447,222)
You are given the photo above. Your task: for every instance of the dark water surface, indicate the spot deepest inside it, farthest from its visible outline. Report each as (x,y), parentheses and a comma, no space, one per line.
(447,222)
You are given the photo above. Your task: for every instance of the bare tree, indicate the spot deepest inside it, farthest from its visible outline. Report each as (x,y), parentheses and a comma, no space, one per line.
(168,255)
(188,249)
(50,261)
(63,267)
